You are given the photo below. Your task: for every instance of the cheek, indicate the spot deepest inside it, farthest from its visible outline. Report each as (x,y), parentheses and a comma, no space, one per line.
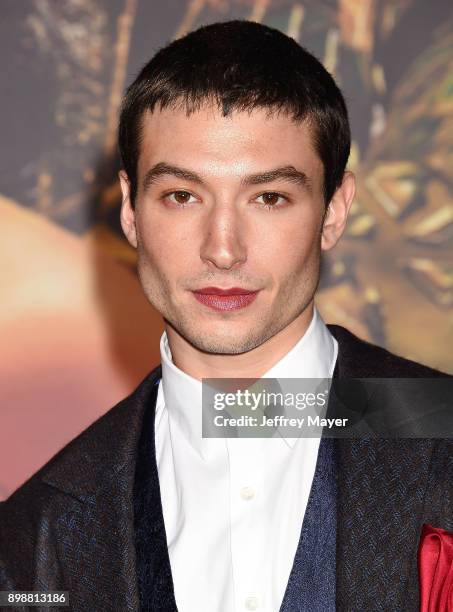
(164,250)
(290,250)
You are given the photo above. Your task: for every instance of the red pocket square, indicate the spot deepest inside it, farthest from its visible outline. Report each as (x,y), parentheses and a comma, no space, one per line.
(435,569)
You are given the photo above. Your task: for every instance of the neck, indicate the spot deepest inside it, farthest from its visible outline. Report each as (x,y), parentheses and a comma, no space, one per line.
(252,364)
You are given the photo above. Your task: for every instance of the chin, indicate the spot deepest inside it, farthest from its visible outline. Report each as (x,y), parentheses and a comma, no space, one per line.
(229,343)
(217,343)
(225,337)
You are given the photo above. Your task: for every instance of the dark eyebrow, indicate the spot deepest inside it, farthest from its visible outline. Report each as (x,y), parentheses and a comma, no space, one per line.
(162,169)
(288,173)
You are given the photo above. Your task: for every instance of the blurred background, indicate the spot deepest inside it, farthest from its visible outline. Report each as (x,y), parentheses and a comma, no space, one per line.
(76,333)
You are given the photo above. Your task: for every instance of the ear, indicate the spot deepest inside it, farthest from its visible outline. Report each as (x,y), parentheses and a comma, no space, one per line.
(127,215)
(337,212)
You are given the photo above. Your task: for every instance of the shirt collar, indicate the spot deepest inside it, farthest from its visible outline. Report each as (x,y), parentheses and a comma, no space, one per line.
(313,356)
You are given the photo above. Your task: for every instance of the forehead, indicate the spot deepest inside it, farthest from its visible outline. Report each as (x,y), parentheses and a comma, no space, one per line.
(207,141)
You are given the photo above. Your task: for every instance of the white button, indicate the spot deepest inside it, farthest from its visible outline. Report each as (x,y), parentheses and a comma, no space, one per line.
(252,603)
(247,493)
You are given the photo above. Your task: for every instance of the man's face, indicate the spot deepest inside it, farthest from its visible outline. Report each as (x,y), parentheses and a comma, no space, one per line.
(227,202)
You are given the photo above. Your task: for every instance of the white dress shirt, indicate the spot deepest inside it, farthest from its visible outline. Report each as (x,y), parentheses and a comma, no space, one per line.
(233,508)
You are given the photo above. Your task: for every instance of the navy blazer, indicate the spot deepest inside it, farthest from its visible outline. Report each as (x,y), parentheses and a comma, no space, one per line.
(90,521)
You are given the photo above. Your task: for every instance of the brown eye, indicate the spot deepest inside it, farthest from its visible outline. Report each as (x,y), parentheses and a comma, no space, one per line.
(181,197)
(270,198)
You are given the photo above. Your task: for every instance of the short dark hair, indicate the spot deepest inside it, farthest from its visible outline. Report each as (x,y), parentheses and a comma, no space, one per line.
(240,65)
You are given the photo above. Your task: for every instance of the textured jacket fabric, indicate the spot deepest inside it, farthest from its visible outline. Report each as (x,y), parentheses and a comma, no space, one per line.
(90,521)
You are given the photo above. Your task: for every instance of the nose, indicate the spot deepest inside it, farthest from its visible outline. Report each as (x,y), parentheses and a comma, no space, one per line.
(223,245)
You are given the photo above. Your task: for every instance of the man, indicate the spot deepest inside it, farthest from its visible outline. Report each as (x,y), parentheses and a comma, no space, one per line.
(234,143)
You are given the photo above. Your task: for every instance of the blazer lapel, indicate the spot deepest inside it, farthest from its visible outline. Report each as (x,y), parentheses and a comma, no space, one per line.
(381,488)
(155,581)
(123,555)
